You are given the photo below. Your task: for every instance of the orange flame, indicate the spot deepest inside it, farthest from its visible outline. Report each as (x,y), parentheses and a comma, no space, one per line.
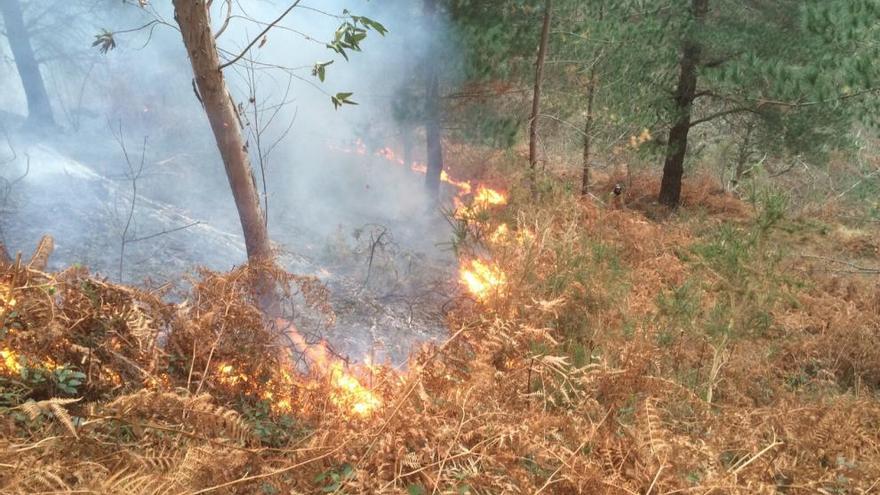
(348,394)
(464,187)
(500,234)
(482,279)
(10,361)
(228,376)
(489,197)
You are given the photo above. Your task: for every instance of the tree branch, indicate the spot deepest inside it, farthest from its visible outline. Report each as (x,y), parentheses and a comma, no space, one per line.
(722,114)
(164,232)
(799,104)
(257,38)
(225,21)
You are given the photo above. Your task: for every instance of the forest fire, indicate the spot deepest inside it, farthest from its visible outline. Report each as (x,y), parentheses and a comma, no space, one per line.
(489,197)
(482,279)
(276,390)
(347,393)
(10,361)
(500,234)
(483,196)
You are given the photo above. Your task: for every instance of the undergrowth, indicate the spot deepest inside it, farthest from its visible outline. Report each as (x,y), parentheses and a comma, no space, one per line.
(699,353)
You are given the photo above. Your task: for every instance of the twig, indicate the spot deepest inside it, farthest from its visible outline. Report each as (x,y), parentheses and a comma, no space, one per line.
(375,242)
(133,175)
(225,21)
(775,443)
(858,183)
(856,268)
(164,232)
(552,475)
(452,444)
(654,481)
(257,38)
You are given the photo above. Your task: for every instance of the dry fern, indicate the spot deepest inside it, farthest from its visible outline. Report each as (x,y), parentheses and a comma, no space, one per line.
(52,408)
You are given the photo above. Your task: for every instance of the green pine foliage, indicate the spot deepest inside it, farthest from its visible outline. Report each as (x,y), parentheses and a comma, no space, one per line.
(800,74)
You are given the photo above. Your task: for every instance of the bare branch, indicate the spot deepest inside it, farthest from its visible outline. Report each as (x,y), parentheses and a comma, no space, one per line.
(225,21)
(855,268)
(164,232)
(134,173)
(722,113)
(259,36)
(797,104)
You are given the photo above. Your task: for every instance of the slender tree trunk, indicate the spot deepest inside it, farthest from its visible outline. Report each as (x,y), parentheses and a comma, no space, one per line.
(432,134)
(407,139)
(673,167)
(743,155)
(39,109)
(588,126)
(433,137)
(195,27)
(588,130)
(536,96)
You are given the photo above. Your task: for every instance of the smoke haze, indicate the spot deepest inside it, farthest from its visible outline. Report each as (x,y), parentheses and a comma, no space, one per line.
(329,196)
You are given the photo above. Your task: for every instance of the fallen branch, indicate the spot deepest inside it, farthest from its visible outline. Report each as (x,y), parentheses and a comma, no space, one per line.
(775,443)
(168,231)
(855,268)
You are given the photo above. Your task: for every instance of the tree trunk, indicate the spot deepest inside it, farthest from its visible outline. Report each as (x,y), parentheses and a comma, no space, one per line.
(432,115)
(673,167)
(588,129)
(406,137)
(743,155)
(195,27)
(39,108)
(536,97)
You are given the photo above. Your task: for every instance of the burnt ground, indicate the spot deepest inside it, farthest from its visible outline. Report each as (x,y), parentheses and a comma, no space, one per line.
(389,278)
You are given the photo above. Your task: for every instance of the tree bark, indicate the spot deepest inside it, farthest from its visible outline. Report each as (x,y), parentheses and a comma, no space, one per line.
(433,139)
(588,129)
(536,96)
(39,108)
(676,148)
(195,27)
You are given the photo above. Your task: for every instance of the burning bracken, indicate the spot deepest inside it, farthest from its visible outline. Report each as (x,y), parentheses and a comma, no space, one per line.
(347,393)
(482,279)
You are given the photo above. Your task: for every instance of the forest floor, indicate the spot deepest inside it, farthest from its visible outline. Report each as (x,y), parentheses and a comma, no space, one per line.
(605,348)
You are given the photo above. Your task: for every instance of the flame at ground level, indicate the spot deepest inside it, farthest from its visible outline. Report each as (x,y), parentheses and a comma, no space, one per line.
(10,361)
(347,392)
(489,197)
(482,279)
(484,195)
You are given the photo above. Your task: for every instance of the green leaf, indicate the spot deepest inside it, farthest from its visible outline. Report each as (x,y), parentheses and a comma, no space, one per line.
(342,99)
(416,490)
(320,70)
(374,25)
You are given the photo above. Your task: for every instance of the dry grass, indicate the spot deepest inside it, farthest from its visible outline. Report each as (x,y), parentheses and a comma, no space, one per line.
(621,356)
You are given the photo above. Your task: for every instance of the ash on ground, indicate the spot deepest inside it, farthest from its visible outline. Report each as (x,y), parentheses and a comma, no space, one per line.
(389,281)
